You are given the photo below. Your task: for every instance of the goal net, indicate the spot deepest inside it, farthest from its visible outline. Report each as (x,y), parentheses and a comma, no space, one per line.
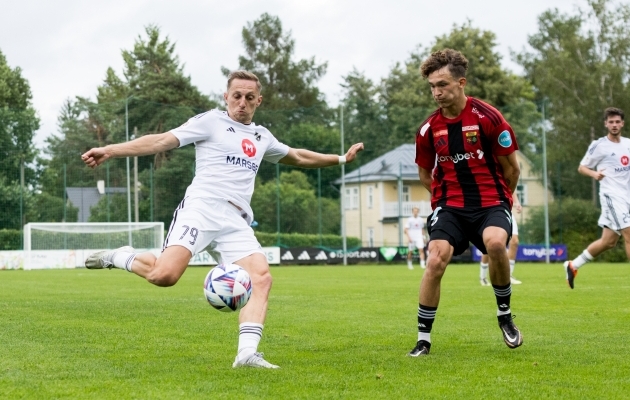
(66,245)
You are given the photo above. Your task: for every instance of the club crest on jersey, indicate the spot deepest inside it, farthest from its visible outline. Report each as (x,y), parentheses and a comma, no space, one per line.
(248,147)
(471,137)
(505,139)
(625,161)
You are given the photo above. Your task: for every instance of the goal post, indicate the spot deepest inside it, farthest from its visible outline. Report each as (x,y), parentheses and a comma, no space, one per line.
(66,245)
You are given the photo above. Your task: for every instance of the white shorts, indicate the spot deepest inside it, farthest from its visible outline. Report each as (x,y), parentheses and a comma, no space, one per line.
(214,225)
(514,226)
(416,243)
(615,213)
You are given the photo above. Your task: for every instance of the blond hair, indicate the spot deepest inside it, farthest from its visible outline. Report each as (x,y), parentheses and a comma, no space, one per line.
(245,75)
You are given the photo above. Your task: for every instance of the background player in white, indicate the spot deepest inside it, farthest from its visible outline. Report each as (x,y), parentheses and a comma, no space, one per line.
(415,234)
(512,249)
(608,161)
(215,212)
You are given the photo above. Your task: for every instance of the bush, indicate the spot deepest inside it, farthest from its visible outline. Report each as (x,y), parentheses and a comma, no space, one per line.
(10,239)
(572,222)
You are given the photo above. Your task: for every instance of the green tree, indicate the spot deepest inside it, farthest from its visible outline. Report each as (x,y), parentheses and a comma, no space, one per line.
(290,94)
(293,107)
(157,96)
(298,206)
(408,96)
(365,117)
(18,123)
(579,63)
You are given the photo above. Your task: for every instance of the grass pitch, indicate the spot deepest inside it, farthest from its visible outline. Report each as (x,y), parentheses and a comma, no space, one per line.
(336,332)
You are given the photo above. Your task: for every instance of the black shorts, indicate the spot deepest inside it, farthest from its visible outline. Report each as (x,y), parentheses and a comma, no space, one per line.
(460,226)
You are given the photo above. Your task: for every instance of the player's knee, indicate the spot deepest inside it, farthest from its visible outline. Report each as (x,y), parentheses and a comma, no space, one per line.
(514,241)
(494,246)
(609,244)
(262,281)
(160,277)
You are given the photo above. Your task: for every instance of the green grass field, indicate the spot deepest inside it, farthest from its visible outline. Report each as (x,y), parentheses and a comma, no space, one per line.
(336,332)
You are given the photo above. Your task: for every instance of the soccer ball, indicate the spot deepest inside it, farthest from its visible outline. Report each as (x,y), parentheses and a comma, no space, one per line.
(227,287)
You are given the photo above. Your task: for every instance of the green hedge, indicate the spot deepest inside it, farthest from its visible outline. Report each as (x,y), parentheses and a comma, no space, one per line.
(11,239)
(305,240)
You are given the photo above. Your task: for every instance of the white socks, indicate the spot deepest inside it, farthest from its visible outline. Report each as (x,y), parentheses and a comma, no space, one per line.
(512,262)
(426,336)
(124,260)
(249,336)
(483,270)
(582,259)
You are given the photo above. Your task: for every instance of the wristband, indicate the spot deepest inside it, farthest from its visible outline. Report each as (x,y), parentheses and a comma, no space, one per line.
(342,160)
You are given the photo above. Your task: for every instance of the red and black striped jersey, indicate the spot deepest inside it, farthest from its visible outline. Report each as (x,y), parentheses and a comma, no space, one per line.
(462,154)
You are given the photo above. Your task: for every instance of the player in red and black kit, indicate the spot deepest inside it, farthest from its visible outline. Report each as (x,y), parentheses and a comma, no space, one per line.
(466,158)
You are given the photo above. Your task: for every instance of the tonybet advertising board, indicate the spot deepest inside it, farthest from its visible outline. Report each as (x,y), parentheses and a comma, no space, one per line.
(534,252)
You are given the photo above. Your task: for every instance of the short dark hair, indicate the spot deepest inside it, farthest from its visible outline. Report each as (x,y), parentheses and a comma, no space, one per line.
(245,75)
(613,111)
(457,63)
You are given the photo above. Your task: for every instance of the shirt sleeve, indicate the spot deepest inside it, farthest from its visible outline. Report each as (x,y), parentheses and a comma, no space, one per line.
(195,129)
(425,152)
(592,157)
(276,150)
(503,139)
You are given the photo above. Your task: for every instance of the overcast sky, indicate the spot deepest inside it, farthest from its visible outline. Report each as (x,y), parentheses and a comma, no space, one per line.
(64,47)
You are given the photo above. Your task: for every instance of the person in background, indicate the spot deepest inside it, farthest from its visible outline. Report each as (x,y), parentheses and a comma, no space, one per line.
(415,235)
(607,160)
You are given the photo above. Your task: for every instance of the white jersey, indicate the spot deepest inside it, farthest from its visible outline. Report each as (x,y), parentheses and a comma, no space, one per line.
(614,160)
(228,155)
(414,227)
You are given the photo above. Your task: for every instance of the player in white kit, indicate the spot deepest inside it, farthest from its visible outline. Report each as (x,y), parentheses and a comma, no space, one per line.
(608,161)
(415,234)
(215,213)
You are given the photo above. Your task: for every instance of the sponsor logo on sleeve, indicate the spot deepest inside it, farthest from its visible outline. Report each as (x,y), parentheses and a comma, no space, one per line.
(505,139)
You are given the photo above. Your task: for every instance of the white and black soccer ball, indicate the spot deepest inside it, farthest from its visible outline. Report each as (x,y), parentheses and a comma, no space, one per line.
(227,287)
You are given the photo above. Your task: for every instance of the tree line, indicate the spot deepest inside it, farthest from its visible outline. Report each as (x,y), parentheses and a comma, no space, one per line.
(576,65)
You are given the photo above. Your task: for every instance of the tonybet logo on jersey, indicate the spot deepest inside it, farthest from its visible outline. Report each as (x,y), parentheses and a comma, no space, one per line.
(248,147)
(460,157)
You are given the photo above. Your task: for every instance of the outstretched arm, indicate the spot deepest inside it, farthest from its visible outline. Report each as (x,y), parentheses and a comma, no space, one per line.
(310,159)
(142,146)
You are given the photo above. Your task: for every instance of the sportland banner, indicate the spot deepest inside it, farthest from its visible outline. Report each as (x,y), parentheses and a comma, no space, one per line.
(534,252)
(314,255)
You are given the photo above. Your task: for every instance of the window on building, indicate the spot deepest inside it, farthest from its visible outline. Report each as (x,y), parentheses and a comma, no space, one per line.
(351,199)
(521,192)
(406,193)
(370,197)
